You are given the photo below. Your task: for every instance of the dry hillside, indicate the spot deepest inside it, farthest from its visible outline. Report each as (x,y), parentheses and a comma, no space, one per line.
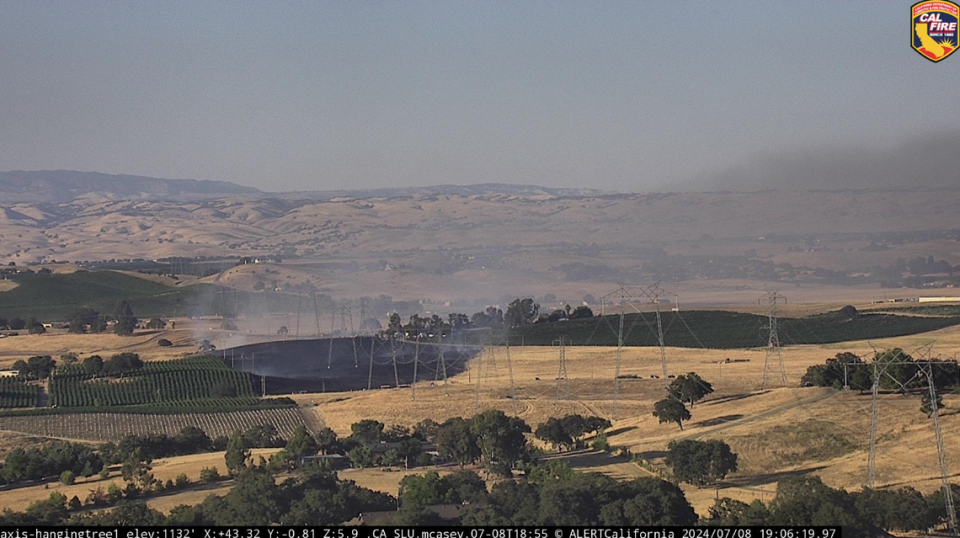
(482,246)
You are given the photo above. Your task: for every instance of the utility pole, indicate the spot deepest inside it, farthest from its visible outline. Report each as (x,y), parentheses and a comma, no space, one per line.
(773,341)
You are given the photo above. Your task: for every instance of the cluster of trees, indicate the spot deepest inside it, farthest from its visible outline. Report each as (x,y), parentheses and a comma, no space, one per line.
(700,462)
(900,373)
(15,324)
(190,440)
(18,324)
(37,367)
(136,452)
(685,389)
(312,497)
(371,444)
(86,319)
(492,438)
(567,498)
(433,325)
(119,364)
(519,312)
(808,501)
(49,461)
(566,432)
(237,449)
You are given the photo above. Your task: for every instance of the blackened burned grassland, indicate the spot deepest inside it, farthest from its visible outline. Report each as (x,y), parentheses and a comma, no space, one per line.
(725,330)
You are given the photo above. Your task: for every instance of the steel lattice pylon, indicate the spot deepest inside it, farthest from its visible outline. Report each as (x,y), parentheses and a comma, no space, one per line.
(773,341)
(629,296)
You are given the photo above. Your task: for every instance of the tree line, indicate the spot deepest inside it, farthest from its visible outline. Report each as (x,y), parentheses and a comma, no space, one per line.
(550,494)
(900,373)
(87,320)
(520,312)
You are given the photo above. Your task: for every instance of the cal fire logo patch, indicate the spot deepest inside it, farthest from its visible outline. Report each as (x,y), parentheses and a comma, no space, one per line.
(933,29)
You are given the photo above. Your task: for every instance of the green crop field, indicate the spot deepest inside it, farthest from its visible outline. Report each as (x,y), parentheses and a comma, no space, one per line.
(930,309)
(16,393)
(56,297)
(179,384)
(725,330)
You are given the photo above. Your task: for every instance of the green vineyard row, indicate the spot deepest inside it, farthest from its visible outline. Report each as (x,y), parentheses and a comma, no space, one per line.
(15,393)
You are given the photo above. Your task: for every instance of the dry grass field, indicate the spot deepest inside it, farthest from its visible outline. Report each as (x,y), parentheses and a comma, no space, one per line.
(163,469)
(58,342)
(777,432)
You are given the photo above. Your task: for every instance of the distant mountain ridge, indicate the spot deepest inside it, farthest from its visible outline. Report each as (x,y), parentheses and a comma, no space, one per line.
(58,186)
(448,190)
(54,186)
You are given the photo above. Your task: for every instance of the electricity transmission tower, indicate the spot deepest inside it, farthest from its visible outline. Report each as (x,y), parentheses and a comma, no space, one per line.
(925,368)
(773,341)
(416,364)
(629,296)
(563,389)
(487,354)
(316,311)
(941,453)
(297,333)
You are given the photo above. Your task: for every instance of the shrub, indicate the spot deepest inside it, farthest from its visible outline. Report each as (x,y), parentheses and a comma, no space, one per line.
(67,478)
(600,442)
(163,342)
(35,327)
(209,474)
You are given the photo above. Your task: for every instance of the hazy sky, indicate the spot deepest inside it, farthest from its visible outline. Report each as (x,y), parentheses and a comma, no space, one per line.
(320,95)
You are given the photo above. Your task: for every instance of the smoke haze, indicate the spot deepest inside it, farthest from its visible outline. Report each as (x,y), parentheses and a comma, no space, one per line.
(926,162)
